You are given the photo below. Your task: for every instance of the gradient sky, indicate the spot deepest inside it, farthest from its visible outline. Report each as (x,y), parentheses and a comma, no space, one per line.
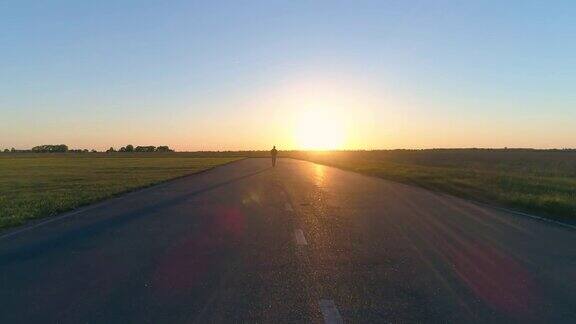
(217,75)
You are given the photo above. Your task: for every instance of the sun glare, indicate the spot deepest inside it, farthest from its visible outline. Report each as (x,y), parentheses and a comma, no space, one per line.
(319,130)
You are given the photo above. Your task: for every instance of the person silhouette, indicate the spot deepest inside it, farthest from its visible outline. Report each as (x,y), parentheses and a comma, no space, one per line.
(273,153)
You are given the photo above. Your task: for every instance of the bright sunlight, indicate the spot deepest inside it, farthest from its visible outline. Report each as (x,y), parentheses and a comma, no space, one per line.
(319,130)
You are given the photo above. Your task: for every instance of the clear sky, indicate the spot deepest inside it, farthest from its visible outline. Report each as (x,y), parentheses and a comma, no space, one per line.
(216,75)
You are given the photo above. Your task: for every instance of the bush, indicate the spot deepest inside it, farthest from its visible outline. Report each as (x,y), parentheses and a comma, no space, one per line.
(163,149)
(145,149)
(50,148)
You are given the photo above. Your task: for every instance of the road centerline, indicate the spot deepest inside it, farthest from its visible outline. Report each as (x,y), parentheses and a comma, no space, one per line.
(330,312)
(300,239)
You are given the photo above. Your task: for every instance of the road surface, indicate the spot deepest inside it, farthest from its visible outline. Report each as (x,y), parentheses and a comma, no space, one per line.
(299,243)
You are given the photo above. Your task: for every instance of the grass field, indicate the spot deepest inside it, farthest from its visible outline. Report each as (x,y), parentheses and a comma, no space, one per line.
(40,185)
(538,181)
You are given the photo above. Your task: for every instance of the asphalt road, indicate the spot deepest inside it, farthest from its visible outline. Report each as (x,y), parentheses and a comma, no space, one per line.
(299,243)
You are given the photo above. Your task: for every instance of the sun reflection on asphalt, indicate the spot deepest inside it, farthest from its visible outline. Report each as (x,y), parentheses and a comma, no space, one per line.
(319,175)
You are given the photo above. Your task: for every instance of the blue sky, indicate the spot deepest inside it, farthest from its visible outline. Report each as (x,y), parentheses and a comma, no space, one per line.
(237,74)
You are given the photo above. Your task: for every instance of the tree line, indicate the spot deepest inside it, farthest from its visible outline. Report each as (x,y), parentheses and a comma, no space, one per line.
(150,148)
(62,148)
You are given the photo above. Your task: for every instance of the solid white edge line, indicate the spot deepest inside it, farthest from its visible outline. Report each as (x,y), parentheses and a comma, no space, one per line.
(81,210)
(160,185)
(533,216)
(50,220)
(300,239)
(330,312)
(478,203)
(507,210)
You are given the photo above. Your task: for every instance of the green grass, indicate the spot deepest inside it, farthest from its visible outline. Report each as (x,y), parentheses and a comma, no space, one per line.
(39,185)
(537,181)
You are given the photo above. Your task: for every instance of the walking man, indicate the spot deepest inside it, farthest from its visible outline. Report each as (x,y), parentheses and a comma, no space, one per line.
(274,152)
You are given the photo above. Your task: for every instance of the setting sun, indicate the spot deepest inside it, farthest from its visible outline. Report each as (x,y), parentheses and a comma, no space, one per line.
(319,130)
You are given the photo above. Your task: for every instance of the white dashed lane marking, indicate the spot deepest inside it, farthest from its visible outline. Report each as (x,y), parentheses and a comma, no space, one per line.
(330,312)
(300,239)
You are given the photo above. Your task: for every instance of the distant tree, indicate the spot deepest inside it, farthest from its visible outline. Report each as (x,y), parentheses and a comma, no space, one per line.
(50,148)
(13,150)
(94,151)
(163,149)
(110,150)
(122,149)
(6,151)
(145,149)
(129,148)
